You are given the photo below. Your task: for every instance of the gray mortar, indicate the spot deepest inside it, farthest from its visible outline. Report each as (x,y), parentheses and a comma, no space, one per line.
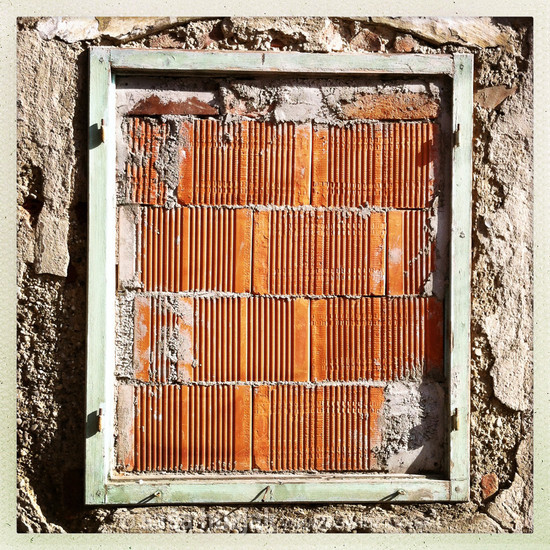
(274,99)
(52,82)
(413,427)
(124,340)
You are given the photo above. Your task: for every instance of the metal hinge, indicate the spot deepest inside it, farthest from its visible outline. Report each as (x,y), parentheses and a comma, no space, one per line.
(454,420)
(102,130)
(456,136)
(100,419)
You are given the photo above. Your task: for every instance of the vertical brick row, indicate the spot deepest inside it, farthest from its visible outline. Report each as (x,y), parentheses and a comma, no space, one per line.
(379,164)
(194,249)
(146,138)
(192,428)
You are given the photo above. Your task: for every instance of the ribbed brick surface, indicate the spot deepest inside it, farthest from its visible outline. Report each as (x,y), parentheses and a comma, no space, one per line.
(194,249)
(191,428)
(293,318)
(221,339)
(377,164)
(245,163)
(268,339)
(146,138)
(327,428)
(341,253)
(375,338)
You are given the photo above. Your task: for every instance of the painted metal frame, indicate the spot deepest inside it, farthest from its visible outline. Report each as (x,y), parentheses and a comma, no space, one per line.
(104,487)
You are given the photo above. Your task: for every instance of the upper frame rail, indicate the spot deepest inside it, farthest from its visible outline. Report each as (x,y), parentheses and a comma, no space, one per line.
(132,60)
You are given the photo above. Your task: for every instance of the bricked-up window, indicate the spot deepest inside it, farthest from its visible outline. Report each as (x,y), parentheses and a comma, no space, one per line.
(283,251)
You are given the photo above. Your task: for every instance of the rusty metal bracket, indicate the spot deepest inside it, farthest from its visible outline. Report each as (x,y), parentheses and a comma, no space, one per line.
(100,419)
(455,421)
(456,136)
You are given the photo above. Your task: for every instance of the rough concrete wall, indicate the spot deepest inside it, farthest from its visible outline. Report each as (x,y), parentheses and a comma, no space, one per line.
(52,134)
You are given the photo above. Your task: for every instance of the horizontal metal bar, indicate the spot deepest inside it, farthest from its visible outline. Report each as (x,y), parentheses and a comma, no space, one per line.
(243,491)
(128,60)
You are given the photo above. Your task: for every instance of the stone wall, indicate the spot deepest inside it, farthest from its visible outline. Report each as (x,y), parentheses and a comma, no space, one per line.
(52,207)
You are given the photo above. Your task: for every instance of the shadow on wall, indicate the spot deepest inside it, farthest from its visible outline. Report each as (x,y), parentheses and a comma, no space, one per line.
(54,459)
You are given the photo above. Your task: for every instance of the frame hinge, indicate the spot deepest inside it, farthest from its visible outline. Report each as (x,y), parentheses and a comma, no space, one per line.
(454,420)
(100,419)
(102,130)
(456,136)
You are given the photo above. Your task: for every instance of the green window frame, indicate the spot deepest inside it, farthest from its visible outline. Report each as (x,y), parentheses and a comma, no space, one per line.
(102,486)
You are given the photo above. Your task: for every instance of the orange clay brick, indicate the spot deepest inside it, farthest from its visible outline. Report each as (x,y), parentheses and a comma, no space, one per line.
(395,269)
(317,247)
(376,400)
(142,338)
(318,340)
(194,249)
(181,414)
(214,165)
(186,177)
(260,278)
(223,339)
(397,105)
(319,429)
(377,253)
(163,242)
(373,338)
(388,164)
(316,253)
(157,322)
(186,323)
(374,320)
(243,250)
(326,428)
(146,138)
(278,334)
(302,164)
(244,163)
(301,340)
(320,178)
(376,192)
(260,427)
(243,370)
(418,251)
(243,419)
